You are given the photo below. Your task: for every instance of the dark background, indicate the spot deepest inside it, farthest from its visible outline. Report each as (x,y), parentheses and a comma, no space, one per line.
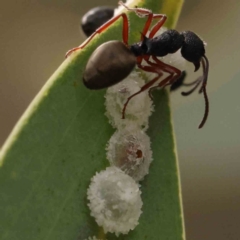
(34,38)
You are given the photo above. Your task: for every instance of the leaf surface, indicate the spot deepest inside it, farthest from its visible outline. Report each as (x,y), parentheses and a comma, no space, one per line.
(59,143)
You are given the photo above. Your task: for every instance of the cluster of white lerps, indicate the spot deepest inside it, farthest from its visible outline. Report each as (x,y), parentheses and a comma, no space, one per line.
(114,194)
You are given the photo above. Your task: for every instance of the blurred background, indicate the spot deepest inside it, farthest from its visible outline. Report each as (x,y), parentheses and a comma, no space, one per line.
(34,38)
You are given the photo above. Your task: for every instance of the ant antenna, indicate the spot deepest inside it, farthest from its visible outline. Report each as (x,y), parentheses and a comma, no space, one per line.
(203,80)
(203,89)
(197,82)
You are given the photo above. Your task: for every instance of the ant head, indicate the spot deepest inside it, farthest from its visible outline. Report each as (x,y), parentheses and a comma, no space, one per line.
(193,48)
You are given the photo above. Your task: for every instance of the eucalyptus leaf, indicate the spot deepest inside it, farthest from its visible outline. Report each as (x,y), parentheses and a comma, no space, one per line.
(59,143)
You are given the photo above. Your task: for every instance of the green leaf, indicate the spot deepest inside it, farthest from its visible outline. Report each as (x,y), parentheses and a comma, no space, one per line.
(59,144)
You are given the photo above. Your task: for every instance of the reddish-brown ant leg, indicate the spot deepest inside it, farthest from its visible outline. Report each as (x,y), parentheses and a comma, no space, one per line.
(154,68)
(145,12)
(159,66)
(165,82)
(144,87)
(149,21)
(141,12)
(102,28)
(169,69)
(166,68)
(154,29)
(157,26)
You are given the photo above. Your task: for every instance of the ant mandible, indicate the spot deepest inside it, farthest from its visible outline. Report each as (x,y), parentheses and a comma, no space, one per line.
(113,61)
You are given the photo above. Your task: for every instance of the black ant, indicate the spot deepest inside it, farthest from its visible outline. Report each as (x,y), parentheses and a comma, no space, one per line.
(112,61)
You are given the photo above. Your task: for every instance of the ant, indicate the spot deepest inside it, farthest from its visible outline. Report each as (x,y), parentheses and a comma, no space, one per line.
(113,61)
(97,16)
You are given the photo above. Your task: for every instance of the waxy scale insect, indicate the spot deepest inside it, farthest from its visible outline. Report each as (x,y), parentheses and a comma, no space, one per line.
(113,61)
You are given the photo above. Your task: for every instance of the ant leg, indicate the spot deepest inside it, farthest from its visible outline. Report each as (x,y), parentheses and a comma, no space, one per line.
(169,69)
(179,82)
(165,82)
(149,21)
(157,26)
(104,27)
(166,68)
(144,87)
(142,12)
(150,93)
(157,68)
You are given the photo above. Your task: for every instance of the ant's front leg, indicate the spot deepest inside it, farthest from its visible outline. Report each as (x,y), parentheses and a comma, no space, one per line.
(142,12)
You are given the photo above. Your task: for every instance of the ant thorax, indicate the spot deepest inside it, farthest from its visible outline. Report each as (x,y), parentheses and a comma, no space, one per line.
(167,42)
